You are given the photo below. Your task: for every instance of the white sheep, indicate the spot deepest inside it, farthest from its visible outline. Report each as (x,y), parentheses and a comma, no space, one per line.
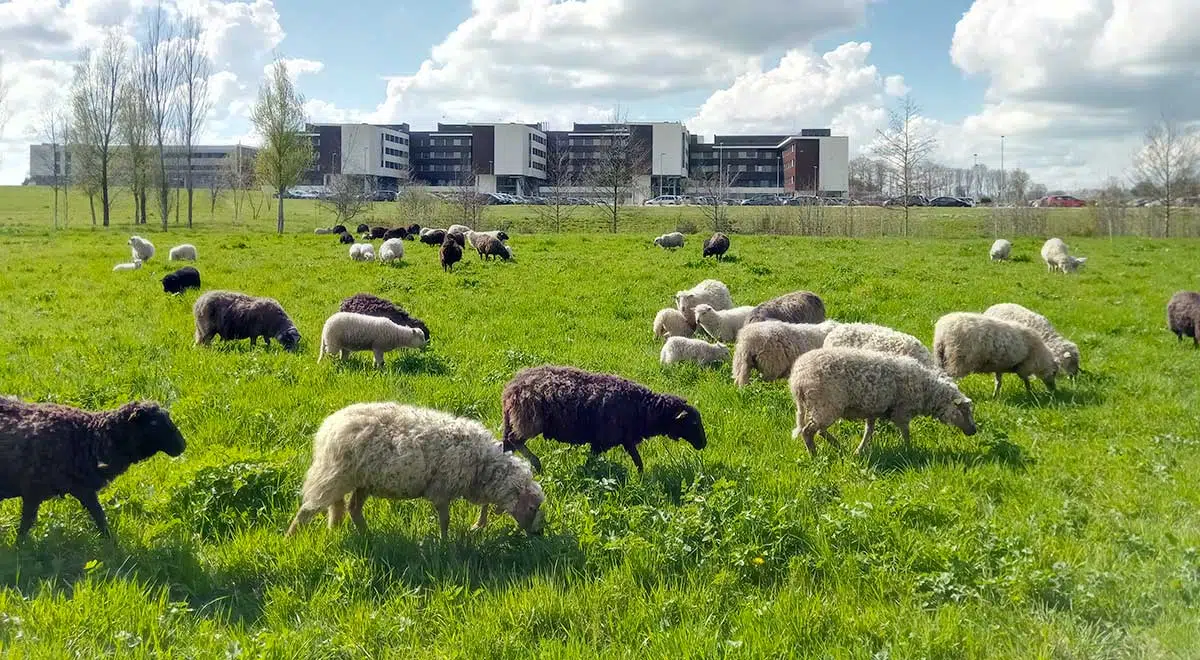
(967,343)
(712,292)
(185,252)
(141,248)
(391,250)
(871,337)
(458,229)
(829,384)
(1065,352)
(671,240)
(1057,257)
(424,230)
(772,346)
(671,322)
(1001,250)
(345,332)
(362,252)
(134,265)
(683,349)
(400,451)
(722,325)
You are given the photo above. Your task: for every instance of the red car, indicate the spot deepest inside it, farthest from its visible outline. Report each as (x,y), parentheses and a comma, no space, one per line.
(1061,200)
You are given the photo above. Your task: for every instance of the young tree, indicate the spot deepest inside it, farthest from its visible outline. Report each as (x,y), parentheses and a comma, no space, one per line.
(160,74)
(56,131)
(468,203)
(216,183)
(1018,185)
(618,162)
(348,196)
(904,147)
(194,68)
(713,185)
(1169,163)
(94,105)
(278,117)
(237,172)
(562,179)
(133,121)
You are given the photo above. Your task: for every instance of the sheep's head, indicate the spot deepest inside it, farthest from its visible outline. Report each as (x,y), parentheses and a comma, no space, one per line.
(416,337)
(502,235)
(685,424)
(1068,360)
(149,431)
(957,411)
(705,313)
(527,508)
(290,338)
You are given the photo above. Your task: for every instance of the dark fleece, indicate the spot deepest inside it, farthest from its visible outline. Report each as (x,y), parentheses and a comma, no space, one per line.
(716,245)
(363,228)
(1183,316)
(49,450)
(601,410)
(413,229)
(378,232)
(491,247)
(339,229)
(365,303)
(458,237)
(798,307)
(345,238)
(232,316)
(184,278)
(435,237)
(395,232)
(450,254)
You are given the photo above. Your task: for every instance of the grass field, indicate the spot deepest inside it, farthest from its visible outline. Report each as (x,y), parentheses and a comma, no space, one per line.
(1066,528)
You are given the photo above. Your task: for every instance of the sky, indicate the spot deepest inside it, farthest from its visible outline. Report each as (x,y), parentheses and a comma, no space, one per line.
(1072,85)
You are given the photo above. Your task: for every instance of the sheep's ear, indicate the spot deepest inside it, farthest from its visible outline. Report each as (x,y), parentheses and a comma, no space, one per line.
(682,414)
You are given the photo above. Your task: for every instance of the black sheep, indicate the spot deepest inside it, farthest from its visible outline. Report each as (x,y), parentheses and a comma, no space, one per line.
(365,303)
(363,228)
(232,316)
(338,229)
(502,235)
(585,408)
(395,232)
(716,245)
(49,450)
(450,254)
(1183,316)
(413,229)
(434,237)
(345,238)
(378,232)
(798,307)
(184,278)
(458,237)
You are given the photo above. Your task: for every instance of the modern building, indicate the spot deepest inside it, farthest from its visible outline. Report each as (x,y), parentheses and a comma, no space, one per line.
(658,152)
(502,157)
(378,151)
(814,162)
(209,162)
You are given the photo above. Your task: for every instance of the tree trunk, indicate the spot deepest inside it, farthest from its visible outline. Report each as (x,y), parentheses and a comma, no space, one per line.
(177,209)
(92,203)
(103,197)
(279,215)
(142,207)
(190,187)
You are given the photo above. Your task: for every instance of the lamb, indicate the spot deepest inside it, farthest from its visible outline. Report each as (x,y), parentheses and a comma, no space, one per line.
(399,451)
(450,253)
(362,252)
(722,325)
(365,303)
(871,337)
(798,307)
(671,240)
(134,265)
(185,252)
(772,347)
(829,384)
(1066,353)
(671,322)
(492,247)
(966,343)
(345,238)
(433,236)
(345,332)
(49,450)
(1001,250)
(391,250)
(716,245)
(141,248)
(233,316)
(1057,257)
(1183,316)
(683,349)
(181,280)
(712,292)
(584,408)
(396,232)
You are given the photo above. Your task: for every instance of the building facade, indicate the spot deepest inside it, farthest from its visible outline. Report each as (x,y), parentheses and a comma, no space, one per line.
(377,151)
(209,163)
(813,163)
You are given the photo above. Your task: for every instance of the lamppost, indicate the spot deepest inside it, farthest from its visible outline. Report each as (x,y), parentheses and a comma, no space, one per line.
(661,156)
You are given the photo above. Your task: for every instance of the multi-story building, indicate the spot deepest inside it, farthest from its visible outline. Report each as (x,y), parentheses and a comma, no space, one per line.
(505,157)
(377,151)
(209,163)
(658,152)
(814,162)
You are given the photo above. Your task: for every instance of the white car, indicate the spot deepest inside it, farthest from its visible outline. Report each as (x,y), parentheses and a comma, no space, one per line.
(663,200)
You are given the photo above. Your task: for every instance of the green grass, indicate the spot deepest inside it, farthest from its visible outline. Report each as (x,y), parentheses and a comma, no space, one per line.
(1066,528)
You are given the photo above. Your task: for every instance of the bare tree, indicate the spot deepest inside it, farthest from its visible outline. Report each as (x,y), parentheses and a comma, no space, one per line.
(1018,185)
(562,180)
(348,196)
(94,105)
(467,202)
(713,184)
(238,174)
(412,205)
(133,120)
(194,69)
(615,168)
(160,74)
(216,183)
(1169,161)
(904,147)
(56,131)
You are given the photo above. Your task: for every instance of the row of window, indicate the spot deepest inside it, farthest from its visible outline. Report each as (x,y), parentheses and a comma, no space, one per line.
(537,152)
(393,152)
(392,165)
(537,138)
(395,138)
(439,168)
(726,155)
(441,142)
(442,155)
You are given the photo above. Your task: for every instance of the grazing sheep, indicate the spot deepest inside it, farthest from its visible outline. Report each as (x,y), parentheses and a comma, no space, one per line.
(458,229)
(1001,250)
(1065,352)
(671,322)
(772,346)
(722,325)
(345,238)
(492,247)
(365,303)
(671,240)
(141,248)
(829,384)
(1057,257)
(400,451)
(136,264)
(396,232)
(433,236)
(716,245)
(966,343)
(450,253)
(363,228)
(711,292)
(476,238)
(871,337)
(185,252)
(378,232)
(391,250)
(413,230)
(362,252)
(345,332)
(458,237)
(324,230)
(798,307)
(584,408)
(182,279)
(49,450)
(1183,316)
(233,316)
(683,349)
(338,229)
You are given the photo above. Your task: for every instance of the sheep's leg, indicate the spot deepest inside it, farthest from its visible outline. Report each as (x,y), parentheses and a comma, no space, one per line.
(90,502)
(357,499)
(999,378)
(266,340)
(302,516)
(29,511)
(808,433)
(631,449)
(336,513)
(866,439)
(483,518)
(831,439)
(902,424)
(378,358)
(533,460)
(1028,388)
(443,512)
(254,341)
(345,354)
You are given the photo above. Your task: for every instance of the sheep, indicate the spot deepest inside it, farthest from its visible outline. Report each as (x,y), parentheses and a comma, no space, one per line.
(1065,352)
(413,230)
(134,265)
(583,408)
(345,332)
(233,316)
(871,337)
(671,322)
(1183,316)
(716,245)
(458,229)
(476,238)
(772,346)
(363,228)
(362,252)
(458,237)
(365,303)
(722,325)
(396,232)
(492,247)
(1057,257)
(712,292)
(433,236)
(966,343)
(181,280)
(140,248)
(683,349)
(185,252)
(829,384)
(1001,250)
(450,253)
(398,451)
(671,240)
(49,450)
(378,232)
(323,230)
(345,238)
(798,307)
(424,230)
(338,229)
(391,250)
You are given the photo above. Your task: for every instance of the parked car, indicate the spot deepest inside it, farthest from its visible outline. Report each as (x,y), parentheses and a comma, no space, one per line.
(804,200)
(1061,201)
(663,200)
(946,200)
(913,200)
(762,200)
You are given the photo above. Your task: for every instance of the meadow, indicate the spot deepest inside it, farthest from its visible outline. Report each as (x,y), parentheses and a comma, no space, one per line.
(1067,527)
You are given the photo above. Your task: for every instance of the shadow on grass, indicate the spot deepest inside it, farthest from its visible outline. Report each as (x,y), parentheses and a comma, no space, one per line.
(1088,389)
(673,477)
(892,457)
(402,362)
